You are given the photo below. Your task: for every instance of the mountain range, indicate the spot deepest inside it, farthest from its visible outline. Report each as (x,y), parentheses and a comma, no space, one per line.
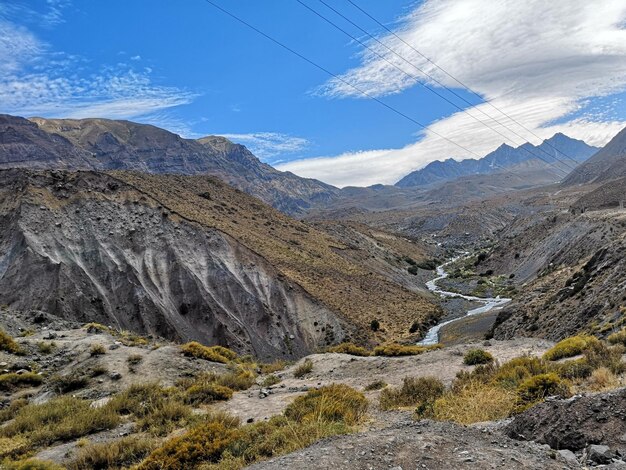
(549,152)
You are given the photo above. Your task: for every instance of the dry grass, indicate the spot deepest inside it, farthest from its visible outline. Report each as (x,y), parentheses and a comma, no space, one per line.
(46,348)
(209,353)
(618,337)
(8,344)
(349,348)
(335,403)
(420,392)
(395,349)
(375,385)
(59,419)
(303,369)
(272,367)
(570,347)
(475,402)
(12,380)
(97,350)
(113,455)
(32,464)
(271,380)
(602,379)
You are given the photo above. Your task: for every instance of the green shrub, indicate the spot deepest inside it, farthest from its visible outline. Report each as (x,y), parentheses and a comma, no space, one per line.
(512,373)
(577,369)
(570,347)
(120,453)
(209,353)
(12,380)
(420,392)
(349,348)
(540,386)
(8,344)
(402,350)
(303,369)
(477,356)
(334,403)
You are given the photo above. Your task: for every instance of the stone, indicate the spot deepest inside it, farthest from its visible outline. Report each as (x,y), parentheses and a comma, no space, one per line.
(568,456)
(599,454)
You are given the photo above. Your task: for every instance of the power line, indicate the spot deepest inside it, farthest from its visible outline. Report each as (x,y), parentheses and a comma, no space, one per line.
(325,70)
(432,90)
(367,95)
(457,80)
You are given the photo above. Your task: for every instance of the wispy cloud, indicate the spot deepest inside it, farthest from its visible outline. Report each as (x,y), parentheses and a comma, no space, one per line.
(270,146)
(35,80)
(541,62)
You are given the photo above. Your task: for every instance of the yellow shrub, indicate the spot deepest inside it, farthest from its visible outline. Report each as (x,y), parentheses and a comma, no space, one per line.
(403,350)
(349,348)
(474,403)
(570,347)
(207,393)
(335,402)
(540,386)
(209,353)
(512,373)
(12,446)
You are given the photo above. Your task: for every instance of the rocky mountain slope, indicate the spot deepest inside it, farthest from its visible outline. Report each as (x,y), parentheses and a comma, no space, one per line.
(607,164)
(504,156)
(191,258)
(103,144)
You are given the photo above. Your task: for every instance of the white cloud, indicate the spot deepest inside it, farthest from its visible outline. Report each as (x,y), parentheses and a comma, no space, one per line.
(36,81)
(269,145)
(539,61)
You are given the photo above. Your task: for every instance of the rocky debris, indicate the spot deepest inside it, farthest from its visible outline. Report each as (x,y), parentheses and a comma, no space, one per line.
(598,421)
(421,445)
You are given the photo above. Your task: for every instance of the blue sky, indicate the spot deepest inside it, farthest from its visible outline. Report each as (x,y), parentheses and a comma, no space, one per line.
(187,67)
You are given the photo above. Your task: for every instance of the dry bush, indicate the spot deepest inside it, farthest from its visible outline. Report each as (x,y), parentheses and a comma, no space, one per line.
(602,379)
(570,347)
(97,350)
(303,369)
(209,353)
(8,344)
(68,383)
(112,455)
(270,380)
(204,393)
(420,392)
(395,349)
(375,385)
(335,403)
(474,403)
(349,348)
(270,368)
(46,348)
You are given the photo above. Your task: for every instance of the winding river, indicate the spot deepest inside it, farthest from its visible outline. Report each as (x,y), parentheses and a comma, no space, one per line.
(488,303)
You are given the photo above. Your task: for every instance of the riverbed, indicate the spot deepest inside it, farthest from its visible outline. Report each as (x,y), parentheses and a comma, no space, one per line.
(486,304)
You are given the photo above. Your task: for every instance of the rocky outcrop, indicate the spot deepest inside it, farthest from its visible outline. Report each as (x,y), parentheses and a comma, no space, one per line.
(89,248)
(576,423)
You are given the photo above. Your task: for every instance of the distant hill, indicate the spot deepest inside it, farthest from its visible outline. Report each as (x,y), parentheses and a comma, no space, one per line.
(103,144)
(607,164)
(503,157)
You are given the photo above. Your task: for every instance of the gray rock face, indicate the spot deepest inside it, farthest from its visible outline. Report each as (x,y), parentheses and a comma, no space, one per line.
(111,255)
(599,454)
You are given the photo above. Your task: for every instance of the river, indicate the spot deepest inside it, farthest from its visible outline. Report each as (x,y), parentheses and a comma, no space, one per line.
(488,303)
